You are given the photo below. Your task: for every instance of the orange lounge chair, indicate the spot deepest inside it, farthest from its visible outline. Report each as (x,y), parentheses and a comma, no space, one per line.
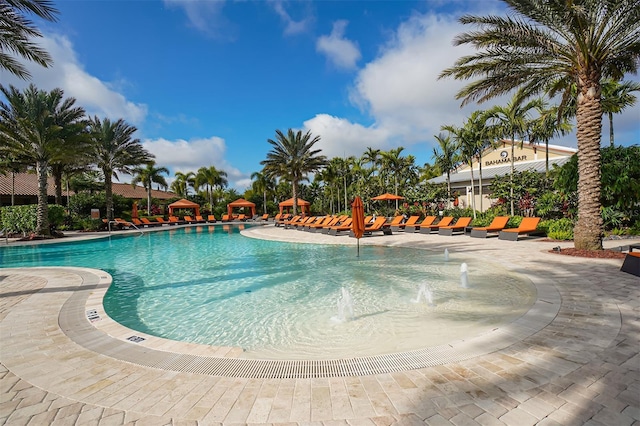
(340,221)
(200,219)
(303,222)
(445,221)
(497,224)
(189,219)
(631,264)
(324,221)
(211,218)
(397,220)
(226,218)
(461,223)
(175,220)
(136,222)
(380,224)
(344,226)
(410,222)
(527,226)
(294,219)
(242,217)
(264,217)
(161,221)
(147,222)
(426,222)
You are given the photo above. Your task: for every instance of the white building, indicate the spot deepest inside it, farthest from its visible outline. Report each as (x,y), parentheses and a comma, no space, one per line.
(497,162)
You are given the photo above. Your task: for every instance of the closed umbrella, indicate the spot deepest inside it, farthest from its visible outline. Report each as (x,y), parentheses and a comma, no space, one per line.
(134,210)
(357,220)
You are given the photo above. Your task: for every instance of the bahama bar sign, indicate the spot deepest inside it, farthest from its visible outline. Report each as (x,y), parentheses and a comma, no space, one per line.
(504,158)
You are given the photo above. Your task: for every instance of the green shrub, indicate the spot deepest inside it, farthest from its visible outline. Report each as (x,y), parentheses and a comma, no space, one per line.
(23,219)
(561,229)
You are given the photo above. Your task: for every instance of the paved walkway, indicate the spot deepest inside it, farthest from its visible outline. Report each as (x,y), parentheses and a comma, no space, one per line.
(62,361)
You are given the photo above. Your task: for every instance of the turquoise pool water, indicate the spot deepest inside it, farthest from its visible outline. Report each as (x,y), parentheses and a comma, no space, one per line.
(211,285)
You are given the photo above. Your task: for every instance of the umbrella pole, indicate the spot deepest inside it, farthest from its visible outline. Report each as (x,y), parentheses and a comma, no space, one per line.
(358,243)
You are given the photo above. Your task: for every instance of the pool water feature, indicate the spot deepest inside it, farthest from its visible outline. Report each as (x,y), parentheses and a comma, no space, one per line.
(210,285)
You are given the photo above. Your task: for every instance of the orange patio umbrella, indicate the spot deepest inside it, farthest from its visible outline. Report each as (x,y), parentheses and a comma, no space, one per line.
(357,220)
(387,197)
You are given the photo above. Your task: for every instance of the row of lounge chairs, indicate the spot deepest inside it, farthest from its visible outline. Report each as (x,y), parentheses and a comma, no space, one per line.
(174,220)
(335,225)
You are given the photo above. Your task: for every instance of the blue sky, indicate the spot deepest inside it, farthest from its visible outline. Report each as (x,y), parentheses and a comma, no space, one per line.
(208,82)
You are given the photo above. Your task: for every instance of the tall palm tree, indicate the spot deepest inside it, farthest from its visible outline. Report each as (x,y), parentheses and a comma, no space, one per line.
(446,159)
(264,184)
(149,175)
(546,126)
(467,148)
(393,163)
(210,178)
(35,126)
(18,33)
(480,136)
(616,96)
(114,150)
(512,121)
(182,183)
(292,158)
(580,42)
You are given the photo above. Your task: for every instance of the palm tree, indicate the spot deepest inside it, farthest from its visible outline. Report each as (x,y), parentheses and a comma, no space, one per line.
(467,148)
(18,33)
(393,163)
(580,42)
(292,158)
(182,183)
(512,120)
(147,176)
(476,124)
(616,97)
(548,124)
(35,126)
(445,158)
(210,178)
(115,150)
(261,183)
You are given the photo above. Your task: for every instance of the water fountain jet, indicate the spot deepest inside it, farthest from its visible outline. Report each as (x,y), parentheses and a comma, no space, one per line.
(464,278)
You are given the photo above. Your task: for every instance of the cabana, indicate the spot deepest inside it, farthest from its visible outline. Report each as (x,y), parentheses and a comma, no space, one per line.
(241,202)
(184,204)
(288,204)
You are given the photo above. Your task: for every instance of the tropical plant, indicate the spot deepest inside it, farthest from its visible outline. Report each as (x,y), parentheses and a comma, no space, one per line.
(616,96)
(18,32)
(114,150)
(292,158)
(37,126)
(182,183)
(149,175)
(210,178)
(548,124)
(512,121)
(467,148)
(545,46)
(446,158)
(262,184)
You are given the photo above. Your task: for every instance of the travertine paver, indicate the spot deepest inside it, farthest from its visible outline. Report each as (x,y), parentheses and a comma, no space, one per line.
(581,368)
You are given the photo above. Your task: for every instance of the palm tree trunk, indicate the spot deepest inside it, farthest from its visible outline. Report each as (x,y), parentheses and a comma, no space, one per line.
(149,200)
(264,194)
(513,153)
(294,187)
(448,189)
(611,128)
(473,193)
(480,180)
(108,190)
(58,183)
(546,156)
(13,188)
(588,230)
(42,220)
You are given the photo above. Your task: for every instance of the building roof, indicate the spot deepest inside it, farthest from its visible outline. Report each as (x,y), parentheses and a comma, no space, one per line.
(26,184)
(502,170)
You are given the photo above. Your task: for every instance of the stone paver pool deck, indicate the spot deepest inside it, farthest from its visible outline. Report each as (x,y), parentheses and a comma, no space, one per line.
(63,362)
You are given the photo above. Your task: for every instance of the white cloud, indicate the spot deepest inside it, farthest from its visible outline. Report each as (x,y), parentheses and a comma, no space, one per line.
(188,156)
(205,16)
(292,26)
(340,51)
(342,138)
(97,97)
(400,88)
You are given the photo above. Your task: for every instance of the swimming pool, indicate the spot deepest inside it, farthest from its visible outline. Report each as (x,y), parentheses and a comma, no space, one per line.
(210,285)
